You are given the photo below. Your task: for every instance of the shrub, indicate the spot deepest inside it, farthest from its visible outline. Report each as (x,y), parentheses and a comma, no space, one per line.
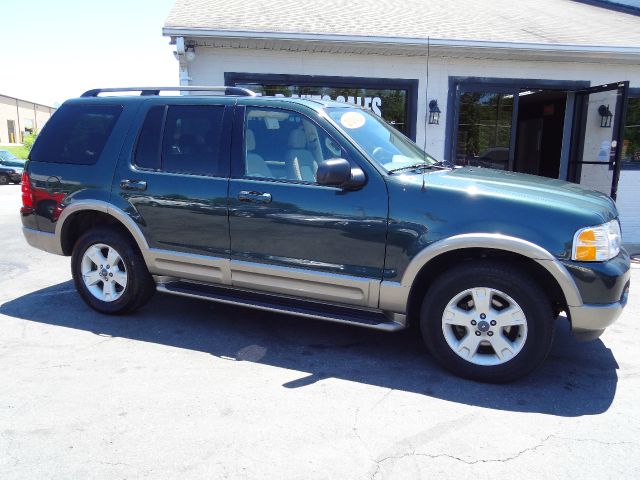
(29,138)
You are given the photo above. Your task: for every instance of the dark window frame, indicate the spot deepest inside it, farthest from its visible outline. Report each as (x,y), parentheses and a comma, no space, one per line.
(231,79)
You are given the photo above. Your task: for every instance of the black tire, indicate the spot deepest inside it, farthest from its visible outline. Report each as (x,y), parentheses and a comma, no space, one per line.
(139,286)
(513,282)
(4,179)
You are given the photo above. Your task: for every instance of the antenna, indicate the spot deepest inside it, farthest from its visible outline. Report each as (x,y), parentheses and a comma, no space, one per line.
(426,113)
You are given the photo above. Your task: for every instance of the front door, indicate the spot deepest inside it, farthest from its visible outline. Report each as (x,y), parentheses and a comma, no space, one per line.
(290,235)
(173,181)
(597,137)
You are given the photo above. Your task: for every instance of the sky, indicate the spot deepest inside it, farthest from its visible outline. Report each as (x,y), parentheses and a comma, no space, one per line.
(56,49)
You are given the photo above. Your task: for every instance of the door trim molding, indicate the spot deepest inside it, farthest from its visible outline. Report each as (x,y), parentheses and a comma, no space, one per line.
(331,287)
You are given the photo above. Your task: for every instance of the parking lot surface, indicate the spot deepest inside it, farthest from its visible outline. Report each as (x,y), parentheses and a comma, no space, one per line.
(190,389)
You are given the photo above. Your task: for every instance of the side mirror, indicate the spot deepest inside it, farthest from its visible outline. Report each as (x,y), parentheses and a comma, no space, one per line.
(337,172)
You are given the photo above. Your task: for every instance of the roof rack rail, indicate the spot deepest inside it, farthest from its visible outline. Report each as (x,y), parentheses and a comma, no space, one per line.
(150,91)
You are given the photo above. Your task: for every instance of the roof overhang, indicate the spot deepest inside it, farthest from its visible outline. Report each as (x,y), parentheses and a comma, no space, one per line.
(440,47)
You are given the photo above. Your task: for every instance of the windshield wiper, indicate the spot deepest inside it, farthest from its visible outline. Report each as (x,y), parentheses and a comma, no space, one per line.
(437,165)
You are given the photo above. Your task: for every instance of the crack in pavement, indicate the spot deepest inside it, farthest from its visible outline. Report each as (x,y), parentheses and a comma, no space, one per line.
(468,462)
(492,460)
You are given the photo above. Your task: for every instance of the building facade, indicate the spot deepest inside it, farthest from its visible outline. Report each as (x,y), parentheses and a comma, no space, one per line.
(535,87)
(20,117)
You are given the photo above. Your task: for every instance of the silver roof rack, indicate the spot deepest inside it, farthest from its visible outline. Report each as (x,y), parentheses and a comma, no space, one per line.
(150,91)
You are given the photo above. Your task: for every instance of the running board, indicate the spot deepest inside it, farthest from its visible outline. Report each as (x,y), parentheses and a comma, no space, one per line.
(374,319)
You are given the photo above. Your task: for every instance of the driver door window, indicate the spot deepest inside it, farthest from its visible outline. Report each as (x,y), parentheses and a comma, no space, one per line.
(285,145)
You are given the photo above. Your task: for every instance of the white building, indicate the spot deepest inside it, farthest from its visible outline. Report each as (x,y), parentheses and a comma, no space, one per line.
(536,86)
(19,117)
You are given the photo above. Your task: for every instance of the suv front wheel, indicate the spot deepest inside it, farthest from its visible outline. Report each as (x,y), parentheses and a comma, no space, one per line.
(487,321)
(109,272)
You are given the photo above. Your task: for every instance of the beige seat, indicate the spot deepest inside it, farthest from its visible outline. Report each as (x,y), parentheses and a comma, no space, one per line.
(301,165)
(256,165)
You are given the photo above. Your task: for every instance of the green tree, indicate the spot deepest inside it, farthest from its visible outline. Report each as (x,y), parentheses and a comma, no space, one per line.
(29,139)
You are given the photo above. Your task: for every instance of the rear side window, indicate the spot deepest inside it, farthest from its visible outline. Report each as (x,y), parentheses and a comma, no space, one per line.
(191,140)
(76,134)
(182,139)
(148,149)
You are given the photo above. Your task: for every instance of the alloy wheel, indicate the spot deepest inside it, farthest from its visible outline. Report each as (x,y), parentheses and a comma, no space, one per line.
(104,272)
(484,326)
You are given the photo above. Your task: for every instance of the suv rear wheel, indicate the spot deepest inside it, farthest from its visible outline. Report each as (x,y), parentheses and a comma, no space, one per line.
(487,321)
(109,272)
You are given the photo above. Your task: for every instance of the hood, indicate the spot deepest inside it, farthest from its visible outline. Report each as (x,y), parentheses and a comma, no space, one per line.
(523,188)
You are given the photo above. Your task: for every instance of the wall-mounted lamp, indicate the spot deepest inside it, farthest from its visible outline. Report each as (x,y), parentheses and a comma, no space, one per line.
(605,116)
(434,113)
(190,53)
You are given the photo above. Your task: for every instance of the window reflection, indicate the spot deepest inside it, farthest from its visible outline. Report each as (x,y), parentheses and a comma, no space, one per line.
(390,104)
(484,129)
(631,138)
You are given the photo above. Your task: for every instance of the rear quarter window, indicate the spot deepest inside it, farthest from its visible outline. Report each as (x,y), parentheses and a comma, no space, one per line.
(76,134)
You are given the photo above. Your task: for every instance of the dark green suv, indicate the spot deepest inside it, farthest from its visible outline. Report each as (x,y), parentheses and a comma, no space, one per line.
(322,210)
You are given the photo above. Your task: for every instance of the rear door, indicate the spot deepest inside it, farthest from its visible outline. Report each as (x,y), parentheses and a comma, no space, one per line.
(596,144)
(173,182)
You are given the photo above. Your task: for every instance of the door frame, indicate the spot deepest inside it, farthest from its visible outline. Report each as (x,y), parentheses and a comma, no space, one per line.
(578,133)
(458,85)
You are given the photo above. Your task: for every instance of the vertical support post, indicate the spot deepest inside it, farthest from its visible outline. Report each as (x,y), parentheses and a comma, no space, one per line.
(563,171)
(19,132)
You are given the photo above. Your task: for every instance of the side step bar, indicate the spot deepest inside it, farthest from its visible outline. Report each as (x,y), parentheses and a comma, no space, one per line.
(374,319)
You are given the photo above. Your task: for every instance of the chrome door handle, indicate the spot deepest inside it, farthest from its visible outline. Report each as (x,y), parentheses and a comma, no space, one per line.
(127,184)
(254,197)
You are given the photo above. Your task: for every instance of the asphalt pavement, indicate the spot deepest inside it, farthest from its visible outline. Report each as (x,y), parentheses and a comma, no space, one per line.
(189,389)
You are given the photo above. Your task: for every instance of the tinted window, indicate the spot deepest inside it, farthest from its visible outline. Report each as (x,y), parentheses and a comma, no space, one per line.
(191,143)
(631,139)
(76,134)
(148,148)
(287,145)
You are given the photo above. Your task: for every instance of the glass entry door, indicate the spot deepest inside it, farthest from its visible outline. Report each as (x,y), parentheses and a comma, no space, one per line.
(484,129)
(598,125)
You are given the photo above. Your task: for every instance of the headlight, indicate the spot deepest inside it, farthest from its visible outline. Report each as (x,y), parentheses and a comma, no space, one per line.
(597,244)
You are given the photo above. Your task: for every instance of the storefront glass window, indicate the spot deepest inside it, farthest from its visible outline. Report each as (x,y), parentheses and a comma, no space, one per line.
(484,129)
(390,104)
(631,138)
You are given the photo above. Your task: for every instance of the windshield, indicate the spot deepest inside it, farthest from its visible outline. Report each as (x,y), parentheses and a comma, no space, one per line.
(381,141)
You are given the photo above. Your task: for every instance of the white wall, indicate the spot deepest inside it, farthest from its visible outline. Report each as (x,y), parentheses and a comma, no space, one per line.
(628,203)
(597,144)
(211,63)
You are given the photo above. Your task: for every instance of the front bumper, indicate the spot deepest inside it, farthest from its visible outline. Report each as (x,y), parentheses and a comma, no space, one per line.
(604,287)
(589,321)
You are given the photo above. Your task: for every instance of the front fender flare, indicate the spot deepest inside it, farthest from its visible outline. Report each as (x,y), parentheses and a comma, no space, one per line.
(394,296)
